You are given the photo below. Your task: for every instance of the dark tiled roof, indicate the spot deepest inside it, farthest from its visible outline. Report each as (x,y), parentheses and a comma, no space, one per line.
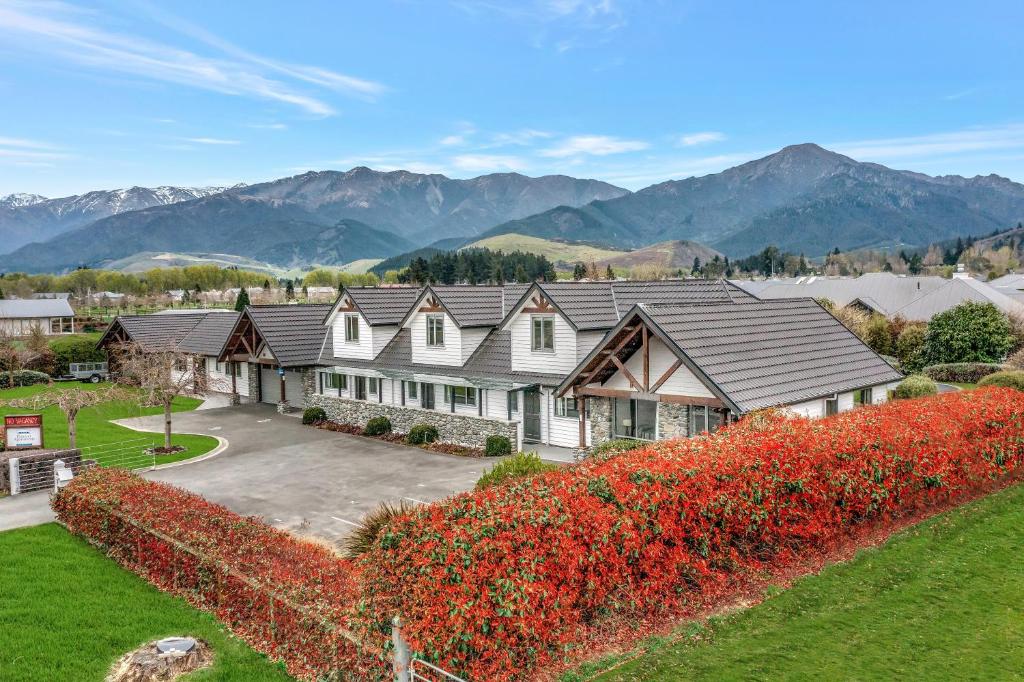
(383,305)
(294,333)
(769,353)
(157,332)
(209,336)
(472,306)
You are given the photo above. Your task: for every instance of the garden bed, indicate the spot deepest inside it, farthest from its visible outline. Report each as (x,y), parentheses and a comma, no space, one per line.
(402,439)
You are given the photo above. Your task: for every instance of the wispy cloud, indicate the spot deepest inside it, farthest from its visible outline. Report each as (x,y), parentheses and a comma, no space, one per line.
(19,151)
(210,140)
(526,136)
(453,140)
(62,31)
(561,25)
(959,95)
(951,143)
(594,145)
(478,163)
(694,139)
(269,126)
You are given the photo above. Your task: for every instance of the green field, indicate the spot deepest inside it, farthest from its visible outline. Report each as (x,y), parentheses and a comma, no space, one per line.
(943,600)
(67,612)
(552,250)
(99,438)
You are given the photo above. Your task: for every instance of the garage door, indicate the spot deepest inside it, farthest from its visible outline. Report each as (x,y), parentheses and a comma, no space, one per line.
(271,383)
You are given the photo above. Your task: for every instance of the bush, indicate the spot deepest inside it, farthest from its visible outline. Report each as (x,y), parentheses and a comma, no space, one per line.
(962,372)
(915,386)
(611,447)
(282,595)
(909,347)
(970,332)
(497,446)
(1016,360)
(74,349)
(877,335)
(521,465)
(421,434)
(1011,379)
(314,415)
(377,426)
(547,561)
(366,533)
(23,377)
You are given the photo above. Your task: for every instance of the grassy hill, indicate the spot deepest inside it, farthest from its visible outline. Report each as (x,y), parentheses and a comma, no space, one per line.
(555,251)
(672,255)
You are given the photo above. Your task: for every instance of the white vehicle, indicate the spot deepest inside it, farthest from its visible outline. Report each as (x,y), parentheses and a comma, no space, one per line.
(93,372)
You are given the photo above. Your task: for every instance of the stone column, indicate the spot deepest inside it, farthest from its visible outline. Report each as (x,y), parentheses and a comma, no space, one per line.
(673,421)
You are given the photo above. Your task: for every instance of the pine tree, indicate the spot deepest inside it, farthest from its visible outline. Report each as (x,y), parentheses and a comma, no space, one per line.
(242,300)
(579,272)
(695,270)
(609,273)
(289,290)
(520,274)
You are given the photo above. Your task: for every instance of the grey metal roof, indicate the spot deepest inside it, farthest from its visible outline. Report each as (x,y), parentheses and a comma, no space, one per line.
(956,291)
(383,305)
(209,336)
(472,305)
(1013,280)
(770,353)
(294,333)
(156,332)
(26,308)
(886,292)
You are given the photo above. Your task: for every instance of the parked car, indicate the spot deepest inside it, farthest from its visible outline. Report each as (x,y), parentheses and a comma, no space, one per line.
(93,372)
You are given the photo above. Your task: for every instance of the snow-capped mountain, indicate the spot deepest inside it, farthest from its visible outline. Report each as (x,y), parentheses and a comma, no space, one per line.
(26,218)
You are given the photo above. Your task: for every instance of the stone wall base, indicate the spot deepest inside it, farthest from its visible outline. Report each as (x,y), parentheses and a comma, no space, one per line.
(35,467)
(460,429)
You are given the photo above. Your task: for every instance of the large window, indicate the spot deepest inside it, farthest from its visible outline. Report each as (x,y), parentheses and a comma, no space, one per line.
(831,406)
(703,418)
(373,385)
(60,325)
(352,327)
(435,330)
(513,401)
(412,389)
(635,418)
(334,381)
(862,397)
(460,395)
(567,407)
(542,335)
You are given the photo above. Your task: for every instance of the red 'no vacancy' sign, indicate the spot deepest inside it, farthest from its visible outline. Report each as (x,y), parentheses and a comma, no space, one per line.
(23,431)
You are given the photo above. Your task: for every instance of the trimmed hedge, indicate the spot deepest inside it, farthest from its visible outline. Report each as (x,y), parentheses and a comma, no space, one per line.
(915,386)
(377,426)
(75,349)
(23,377)
(420,434)
(962,372)
(521,465)
(1005,379)
(497,446)
(314,415)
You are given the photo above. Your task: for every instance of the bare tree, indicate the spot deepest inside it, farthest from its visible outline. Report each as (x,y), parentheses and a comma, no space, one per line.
(163,375)
(16,353)
(71,402)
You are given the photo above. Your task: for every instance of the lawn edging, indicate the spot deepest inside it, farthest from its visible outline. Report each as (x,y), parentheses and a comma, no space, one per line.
(222,444)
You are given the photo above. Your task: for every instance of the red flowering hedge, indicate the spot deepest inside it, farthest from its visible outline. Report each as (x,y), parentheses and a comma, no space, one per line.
(500,582)
(287,598)
(497,583)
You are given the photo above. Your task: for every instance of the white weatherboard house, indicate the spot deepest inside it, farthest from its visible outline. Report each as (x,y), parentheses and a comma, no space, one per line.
(562,364)
(18,317)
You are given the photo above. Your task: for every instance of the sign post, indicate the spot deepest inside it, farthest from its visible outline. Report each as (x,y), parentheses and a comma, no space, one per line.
(23,431)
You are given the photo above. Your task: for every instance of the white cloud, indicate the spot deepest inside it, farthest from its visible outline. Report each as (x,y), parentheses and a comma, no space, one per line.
(60,31)
(523,137)
(694,139)
(269,126)
(22,142)
(210,140)
(453,140)
(596,145)
(488,162)
(19,151)
(958,142)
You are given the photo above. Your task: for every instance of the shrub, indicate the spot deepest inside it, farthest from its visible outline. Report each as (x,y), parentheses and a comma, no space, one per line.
(366,533)
(909,347)
(970,332)
(962,372)
(1012,379)
(547,561)
(314,415)
(878,336)
(611,447)
(74,349)
(1016,360)
(377,426)
(421,433)
(497,446)
(915,386)
(23,377)
(521,465)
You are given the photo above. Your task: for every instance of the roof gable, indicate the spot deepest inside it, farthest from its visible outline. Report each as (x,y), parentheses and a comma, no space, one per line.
(377,305)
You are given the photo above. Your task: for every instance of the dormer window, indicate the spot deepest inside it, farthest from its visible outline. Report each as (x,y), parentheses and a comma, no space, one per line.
(542,334)
(435,329)
(352,328)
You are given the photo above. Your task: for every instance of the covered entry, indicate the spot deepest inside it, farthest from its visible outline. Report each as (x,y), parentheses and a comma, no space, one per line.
(271,386)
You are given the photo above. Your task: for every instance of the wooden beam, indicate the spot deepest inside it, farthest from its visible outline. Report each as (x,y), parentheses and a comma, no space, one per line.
(611,354)
(668,373)
(581,405)
(691,400)
(629,375)
(602,392)
(646,346)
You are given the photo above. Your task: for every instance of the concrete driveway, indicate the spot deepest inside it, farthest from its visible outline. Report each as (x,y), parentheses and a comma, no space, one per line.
(300,478)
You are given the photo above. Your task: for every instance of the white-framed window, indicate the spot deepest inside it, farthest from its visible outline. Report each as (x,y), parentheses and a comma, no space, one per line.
(412,390)
(461,395)
(513,401)
(862,397)
(219,367)
(567,407)
(704,418)
(831,406)
(334,381)
(373,385)
(352,327)
(542,333)
(435,329)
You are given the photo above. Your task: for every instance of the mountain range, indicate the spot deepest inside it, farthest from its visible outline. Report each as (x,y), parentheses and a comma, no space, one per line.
(802,198)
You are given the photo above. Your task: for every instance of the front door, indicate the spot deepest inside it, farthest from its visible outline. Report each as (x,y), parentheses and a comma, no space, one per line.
(427,396)
(531,415)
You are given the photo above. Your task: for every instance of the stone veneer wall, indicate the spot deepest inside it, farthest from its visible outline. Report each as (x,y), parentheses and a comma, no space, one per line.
(451,428)
(600,412)
(35,467)
(254,383)
(673,421)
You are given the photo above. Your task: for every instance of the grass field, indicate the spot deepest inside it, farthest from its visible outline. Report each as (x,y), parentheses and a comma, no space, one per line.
(95,429)
(552,250)
(67,612)
(942,600)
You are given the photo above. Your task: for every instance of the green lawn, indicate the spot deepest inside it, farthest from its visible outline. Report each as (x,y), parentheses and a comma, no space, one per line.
(67,612)
(95,429)
(943,600)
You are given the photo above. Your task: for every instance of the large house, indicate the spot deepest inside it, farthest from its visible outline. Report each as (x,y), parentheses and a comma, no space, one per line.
(18,317)
(564,364)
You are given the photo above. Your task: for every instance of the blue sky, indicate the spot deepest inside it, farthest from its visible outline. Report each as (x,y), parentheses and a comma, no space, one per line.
(113,94)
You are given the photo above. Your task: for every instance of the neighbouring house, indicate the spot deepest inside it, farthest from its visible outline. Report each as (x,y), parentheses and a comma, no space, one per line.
(18,317)
(327,294)
(55,294)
